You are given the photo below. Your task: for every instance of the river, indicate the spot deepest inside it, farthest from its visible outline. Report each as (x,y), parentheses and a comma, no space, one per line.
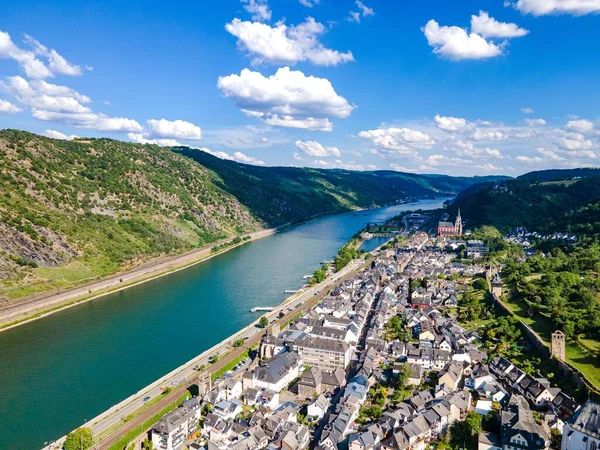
(61,370)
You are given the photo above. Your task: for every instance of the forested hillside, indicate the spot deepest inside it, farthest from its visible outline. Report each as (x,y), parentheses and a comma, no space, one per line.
(71,211)
(283,194)
(564,205)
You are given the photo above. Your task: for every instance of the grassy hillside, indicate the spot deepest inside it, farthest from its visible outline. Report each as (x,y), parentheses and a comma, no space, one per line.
(539,206)
(75,210)
(72,211)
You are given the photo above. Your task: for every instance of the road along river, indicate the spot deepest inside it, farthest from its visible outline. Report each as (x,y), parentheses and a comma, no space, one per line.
(64,369)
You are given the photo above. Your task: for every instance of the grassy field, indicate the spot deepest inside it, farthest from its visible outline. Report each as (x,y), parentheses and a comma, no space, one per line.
(71,273)
(577,355)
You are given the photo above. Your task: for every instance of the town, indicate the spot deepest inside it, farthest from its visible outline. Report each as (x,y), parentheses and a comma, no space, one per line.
(384,361)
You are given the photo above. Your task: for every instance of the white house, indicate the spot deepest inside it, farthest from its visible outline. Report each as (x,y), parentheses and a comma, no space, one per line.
(276,374)
(317,409)
(582,431)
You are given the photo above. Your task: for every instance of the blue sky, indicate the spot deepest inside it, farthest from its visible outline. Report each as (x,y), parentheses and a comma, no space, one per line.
(496,87)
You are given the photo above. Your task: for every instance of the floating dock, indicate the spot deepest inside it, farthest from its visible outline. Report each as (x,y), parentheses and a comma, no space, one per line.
(290,291)
(262,308)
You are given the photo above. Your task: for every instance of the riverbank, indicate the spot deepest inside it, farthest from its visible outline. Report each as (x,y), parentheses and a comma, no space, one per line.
(33,309)
(184,374)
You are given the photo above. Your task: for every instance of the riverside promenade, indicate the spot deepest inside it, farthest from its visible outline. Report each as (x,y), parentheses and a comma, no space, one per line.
(180,378)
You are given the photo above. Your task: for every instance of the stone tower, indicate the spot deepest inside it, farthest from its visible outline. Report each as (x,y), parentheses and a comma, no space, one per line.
(558,345)
(458,224)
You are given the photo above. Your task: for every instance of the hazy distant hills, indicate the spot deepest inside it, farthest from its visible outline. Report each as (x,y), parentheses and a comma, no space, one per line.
(283,194)
(74,210)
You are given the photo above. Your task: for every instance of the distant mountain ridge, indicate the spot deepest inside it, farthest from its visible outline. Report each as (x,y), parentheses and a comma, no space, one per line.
(72,211)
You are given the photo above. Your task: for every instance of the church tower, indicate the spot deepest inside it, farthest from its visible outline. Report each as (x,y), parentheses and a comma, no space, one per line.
(458,224)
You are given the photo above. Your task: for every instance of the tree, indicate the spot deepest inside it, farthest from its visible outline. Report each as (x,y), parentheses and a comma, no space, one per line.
(80,439)
(263,322)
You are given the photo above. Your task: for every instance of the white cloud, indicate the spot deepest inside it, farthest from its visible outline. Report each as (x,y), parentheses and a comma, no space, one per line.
(570,141)
(297,156)
(7,107)
(580,126)
(258,8)
(178,129)
(56,62)
(397,140)
(237,156)
(29,61)
(551,155)
(309,3)
(313,148)
(33,67)
(354,17)
(339,164)
(548,7)
(527,110)
(535,122)
(529,159)
(99,122)
(58,135)
(286,44)
(487,26)
(489,135)
(287,98)
(399,168)
(356,153)
(489,167)
(364,11)
(43,95)
(456,44)
(452,124)
(242,158)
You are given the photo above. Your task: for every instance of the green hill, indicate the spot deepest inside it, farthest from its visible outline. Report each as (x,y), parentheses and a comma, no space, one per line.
(559,203)
(74,210)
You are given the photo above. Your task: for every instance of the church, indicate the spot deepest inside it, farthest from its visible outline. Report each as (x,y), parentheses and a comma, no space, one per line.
(449,229)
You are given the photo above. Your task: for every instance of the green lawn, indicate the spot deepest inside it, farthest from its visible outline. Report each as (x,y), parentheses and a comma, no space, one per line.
(577,356)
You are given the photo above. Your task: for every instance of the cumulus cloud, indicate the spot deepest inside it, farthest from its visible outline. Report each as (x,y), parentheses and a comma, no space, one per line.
(52,102)
(56,62)
(580,126)
(487,26)
(287,98)
(527,110)
(99,122)
(363,11)
(489,167)
(339,164)
(570,141)
(309,3)
(58,135)
(452,124)
(297,156)
(258,8)
(313,148)
(489,135)
(456,44)
(535,122)
(7,107)
(30,62)
(399,168)
(529,159)
(398,140)
(237,156)
(177,129)
(550,7)
(284,44)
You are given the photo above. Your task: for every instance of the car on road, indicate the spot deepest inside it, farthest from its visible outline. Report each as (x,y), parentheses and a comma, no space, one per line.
(146,399)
